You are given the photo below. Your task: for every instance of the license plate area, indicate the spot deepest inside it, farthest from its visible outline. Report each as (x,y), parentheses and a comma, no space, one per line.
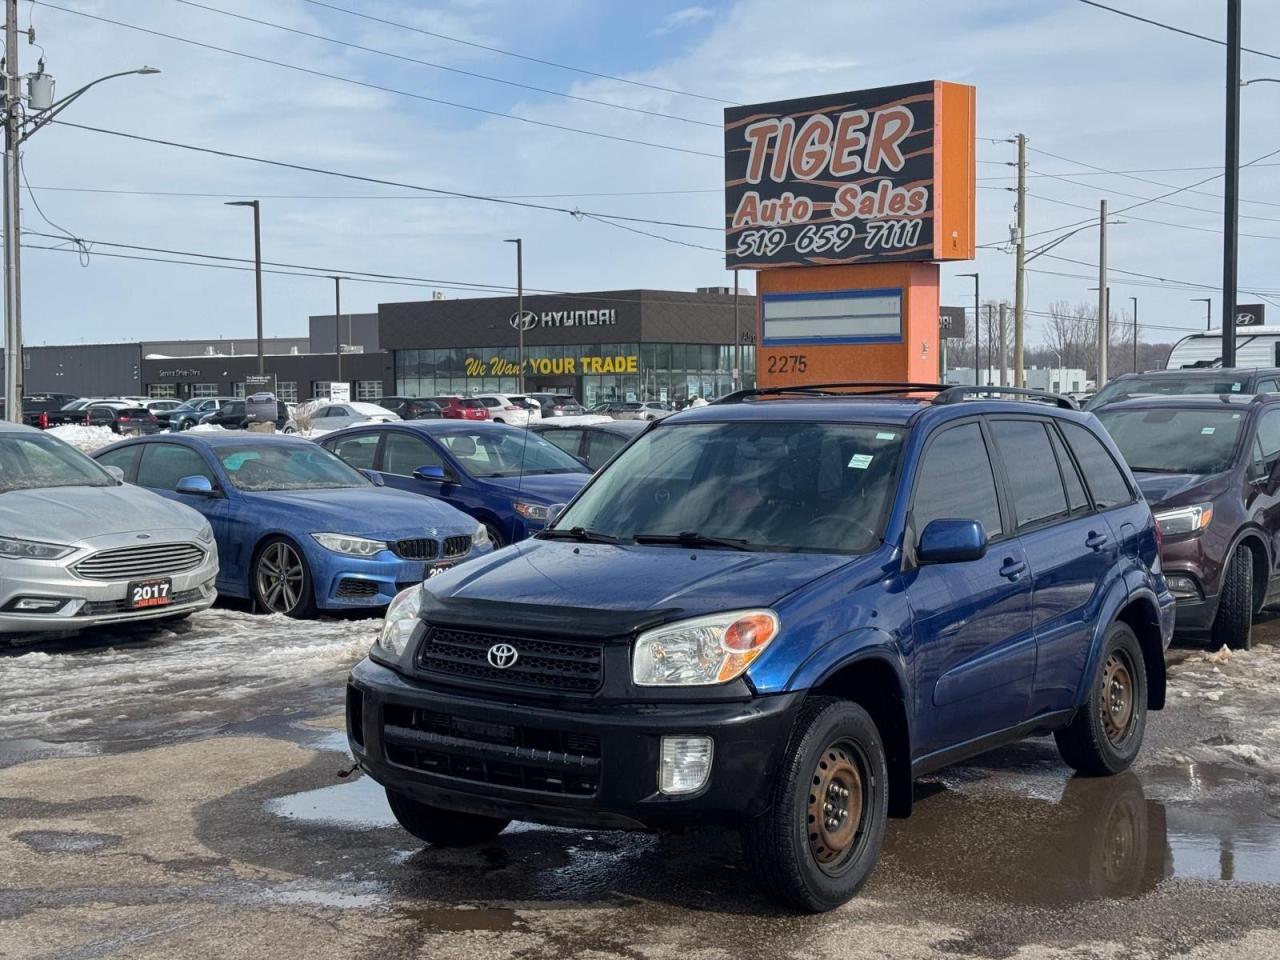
(488,732)
(144,594)
(436,569)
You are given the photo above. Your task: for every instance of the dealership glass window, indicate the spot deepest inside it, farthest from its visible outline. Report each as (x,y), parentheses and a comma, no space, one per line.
(162,391)
(204,390)
(287,390)
(237,391)
(368,389)
(320,389)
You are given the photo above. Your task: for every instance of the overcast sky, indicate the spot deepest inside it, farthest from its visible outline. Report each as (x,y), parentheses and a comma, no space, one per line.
(1081,83)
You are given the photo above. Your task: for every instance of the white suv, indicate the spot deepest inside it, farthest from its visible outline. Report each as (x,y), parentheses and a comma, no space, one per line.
(519,411)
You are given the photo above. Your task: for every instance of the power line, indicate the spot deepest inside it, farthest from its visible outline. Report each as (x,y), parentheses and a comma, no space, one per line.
(366,196)
(656,236)
(304,168)
(384,89)
(1101,172)
(517,56)
(1163,203)
(1162,223)
(1171,27)
(440,66)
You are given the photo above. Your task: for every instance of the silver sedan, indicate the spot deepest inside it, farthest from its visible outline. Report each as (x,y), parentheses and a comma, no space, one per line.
(79,548)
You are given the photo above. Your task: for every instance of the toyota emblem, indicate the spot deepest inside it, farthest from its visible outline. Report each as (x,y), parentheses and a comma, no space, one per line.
(503,655)
(525,321)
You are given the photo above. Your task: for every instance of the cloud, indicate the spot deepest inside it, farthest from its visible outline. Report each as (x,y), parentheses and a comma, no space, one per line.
(679,19)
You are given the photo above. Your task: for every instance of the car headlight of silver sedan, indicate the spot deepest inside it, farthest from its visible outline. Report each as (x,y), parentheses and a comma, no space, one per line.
(480,536)
(17,549)
(206,533)
(400,619)
(704,650)
(348,545)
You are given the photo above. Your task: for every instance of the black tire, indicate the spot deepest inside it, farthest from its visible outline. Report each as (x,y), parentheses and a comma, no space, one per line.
(814,866)
(296,595)
(1106,733)
(1233,623)
(186,425)
(495,536)
(443,828)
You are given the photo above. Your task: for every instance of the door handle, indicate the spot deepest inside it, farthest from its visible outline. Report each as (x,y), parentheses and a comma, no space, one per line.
(1013,569)
(1096,541)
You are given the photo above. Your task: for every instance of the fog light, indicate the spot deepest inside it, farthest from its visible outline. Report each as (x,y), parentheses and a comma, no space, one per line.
(37,605)
(1183,588)
(685,764)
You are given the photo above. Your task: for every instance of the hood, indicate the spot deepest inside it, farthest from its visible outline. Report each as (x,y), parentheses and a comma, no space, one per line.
(1175,489)
(599,588)
(71,514)
(547,487)
(375,512)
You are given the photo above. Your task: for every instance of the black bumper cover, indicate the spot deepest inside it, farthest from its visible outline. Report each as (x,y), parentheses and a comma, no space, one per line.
(750,737)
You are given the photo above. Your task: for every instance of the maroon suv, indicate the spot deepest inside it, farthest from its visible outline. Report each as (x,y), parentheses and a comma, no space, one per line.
(1208,467)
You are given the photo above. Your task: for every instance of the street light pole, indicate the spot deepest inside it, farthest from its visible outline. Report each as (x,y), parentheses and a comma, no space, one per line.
(519,242)
(1104,321)
(1231,188)
(977,323)
(337,323)
(257,263)
(737,338)
(1135,333)
(1208,309)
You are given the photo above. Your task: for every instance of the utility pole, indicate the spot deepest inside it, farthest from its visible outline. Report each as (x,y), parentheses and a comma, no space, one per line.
(519,242)
(337,323)
(1019,287)
(977,324)
(990,337)
(257,263)
(1231,188)
(737,338)
(1135,333)
(1002,334)
(1104,332)
(13,361)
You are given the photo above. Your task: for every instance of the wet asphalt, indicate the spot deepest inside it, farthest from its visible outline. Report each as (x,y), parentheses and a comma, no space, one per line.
(203,813)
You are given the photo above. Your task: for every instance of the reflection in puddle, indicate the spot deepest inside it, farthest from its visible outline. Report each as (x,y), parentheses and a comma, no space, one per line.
(358,804)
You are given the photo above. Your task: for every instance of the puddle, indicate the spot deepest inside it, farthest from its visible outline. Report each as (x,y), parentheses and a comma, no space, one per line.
(333,741)
(359,804)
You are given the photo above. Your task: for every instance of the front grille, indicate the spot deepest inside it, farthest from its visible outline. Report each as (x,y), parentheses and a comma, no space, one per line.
(352,588)
(549,665)
(102,608)
(456,546)
(418,548)
(153,560)
(530,758)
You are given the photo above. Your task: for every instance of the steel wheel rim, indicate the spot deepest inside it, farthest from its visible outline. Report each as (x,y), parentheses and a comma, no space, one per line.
(1116,705)
(836,811)
(281,577)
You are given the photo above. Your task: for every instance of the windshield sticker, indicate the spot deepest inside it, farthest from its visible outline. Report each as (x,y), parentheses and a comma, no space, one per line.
(860,461)
(1208,431)
(886,436)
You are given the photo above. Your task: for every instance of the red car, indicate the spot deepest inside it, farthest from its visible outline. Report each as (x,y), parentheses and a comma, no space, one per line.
(461,408)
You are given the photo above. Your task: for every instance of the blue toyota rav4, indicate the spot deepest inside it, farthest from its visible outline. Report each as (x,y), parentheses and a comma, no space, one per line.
(775,611)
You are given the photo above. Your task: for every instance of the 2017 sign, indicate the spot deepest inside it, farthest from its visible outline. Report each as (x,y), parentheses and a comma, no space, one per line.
(872,175)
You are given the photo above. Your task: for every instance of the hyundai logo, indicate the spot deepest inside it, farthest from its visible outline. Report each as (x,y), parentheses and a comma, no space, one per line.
(524,321)
(503,655)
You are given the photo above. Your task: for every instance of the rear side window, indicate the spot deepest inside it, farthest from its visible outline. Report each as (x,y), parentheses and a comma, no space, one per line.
(357,451)
(1106,481)
(1034,482)
(1077,499)
(123,458)
(472,404)
(566,440)
(164,464)
(956,483)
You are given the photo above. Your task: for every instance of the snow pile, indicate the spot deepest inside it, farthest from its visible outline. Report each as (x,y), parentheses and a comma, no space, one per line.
(85,439)
(208,428)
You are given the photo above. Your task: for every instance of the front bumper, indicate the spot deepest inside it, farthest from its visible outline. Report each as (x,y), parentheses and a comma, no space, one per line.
(345,583)
(580,765)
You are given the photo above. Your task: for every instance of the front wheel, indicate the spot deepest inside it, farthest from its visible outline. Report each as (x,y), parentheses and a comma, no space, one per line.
(443,828)
(1106,734)
(282,580)
(816,844)
(1233,623)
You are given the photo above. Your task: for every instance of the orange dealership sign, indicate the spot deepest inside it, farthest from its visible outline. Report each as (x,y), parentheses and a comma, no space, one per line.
(861,177)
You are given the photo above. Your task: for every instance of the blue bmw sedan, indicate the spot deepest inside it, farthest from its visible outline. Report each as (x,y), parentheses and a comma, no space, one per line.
(297,529)
(505,477)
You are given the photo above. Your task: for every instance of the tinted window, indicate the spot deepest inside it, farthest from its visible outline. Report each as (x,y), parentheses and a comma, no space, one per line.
(1267,386)
(1106,482)
(508,452)
(122,458)
(603,446)
(1034,482)
(956,483)
(357,451)
(567,440)
(403,453)
(1268,443)
(470,404)
(1172,439)
(164,464)
(489,402)
(1077,499)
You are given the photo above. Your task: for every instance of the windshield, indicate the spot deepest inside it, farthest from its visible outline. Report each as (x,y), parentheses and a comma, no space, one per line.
(508,453)
(286,466)
(1165,387)
(36,461)
(820,487)
(1175,441)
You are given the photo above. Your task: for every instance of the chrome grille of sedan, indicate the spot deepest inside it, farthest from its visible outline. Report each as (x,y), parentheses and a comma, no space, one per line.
(152,560)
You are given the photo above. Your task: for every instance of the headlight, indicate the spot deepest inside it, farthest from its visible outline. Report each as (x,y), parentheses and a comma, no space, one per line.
(532,511)
(1185,521)
(32,549)
(401,618)
(206,534)
(704,650)
(480,537)
(348,545)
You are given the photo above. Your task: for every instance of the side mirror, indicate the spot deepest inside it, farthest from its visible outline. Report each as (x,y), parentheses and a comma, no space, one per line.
(555,510)
(430,473)
(196,486)
(374,477)
(116,472)
(952,541)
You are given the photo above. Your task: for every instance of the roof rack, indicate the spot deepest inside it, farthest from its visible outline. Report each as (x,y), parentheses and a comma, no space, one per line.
(874,388)
(960,392)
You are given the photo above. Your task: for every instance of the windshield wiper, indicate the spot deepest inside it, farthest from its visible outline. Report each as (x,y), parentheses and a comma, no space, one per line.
(581,534)
(693,539)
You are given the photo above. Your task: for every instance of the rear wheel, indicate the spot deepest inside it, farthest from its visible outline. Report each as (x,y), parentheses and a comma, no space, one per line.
(817,843)
(443,828)
(282,581)
(1106,734)
(1233,623)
